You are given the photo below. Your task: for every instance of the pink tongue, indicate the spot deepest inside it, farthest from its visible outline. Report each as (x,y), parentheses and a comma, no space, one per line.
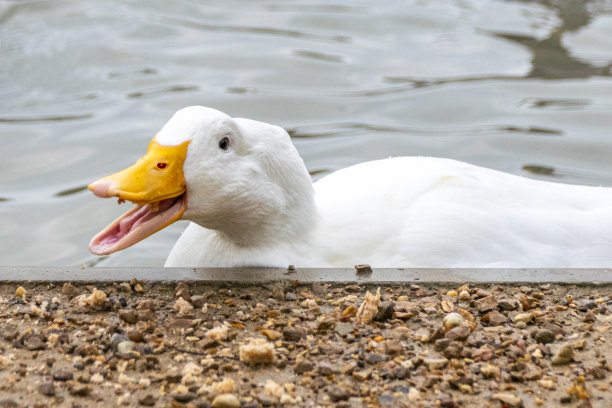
(133,226)
(129,222)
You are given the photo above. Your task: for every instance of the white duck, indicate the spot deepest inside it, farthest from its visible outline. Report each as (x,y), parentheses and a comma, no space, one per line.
(251,202)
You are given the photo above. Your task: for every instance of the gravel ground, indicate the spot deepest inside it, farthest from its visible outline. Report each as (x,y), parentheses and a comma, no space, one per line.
(290,344)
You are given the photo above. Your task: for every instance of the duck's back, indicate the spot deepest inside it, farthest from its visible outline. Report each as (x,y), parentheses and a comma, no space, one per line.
(428,212)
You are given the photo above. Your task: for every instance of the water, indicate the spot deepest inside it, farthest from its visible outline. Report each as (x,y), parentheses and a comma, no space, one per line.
(520,86)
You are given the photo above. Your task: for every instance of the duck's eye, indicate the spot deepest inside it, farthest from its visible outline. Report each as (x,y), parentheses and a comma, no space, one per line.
(224,143)
(161,165)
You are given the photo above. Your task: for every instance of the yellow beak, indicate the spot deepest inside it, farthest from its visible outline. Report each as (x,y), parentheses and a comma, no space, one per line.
(157,184)
(155,176)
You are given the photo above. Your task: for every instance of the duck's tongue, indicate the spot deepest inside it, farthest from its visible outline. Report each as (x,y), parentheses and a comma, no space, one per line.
(137,224)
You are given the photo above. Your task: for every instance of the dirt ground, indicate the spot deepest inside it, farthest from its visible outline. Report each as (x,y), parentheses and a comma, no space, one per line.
(307,345)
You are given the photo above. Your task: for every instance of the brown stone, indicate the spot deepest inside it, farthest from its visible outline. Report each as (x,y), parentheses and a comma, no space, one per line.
(35,343)
(458,333)
(69,290)
(496,319)
(129,316)
(486,303)
(146,304)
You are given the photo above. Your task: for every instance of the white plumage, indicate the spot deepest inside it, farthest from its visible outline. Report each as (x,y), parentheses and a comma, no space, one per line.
(255,205)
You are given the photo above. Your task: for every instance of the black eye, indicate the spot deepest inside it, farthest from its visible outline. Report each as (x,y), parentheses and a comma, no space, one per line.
(161,165)
(224,143)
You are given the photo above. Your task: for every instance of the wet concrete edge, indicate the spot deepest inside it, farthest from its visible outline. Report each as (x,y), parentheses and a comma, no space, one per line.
(247,276)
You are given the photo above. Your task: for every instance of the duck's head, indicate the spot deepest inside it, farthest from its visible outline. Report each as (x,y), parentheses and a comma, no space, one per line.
(236,176)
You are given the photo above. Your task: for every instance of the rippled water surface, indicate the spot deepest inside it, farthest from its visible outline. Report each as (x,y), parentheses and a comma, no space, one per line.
(520,86)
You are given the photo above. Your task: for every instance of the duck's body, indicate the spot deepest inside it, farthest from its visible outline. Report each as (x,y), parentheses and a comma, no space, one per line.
(430,212)
(252,203)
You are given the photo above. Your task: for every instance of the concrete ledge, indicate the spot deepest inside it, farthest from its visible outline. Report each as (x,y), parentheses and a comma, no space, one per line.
(246,276)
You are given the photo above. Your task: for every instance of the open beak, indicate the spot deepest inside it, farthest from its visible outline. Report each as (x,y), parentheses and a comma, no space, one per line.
(156,184)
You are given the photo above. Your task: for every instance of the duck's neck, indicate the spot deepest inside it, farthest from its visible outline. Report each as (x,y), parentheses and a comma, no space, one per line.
(266,212)
(270,223)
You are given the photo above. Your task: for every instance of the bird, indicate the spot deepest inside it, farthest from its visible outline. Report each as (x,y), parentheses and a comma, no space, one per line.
(251,202)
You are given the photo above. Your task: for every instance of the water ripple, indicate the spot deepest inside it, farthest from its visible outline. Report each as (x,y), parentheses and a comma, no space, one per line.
(319,172)
(241,90)
(377,91)
(117,74)
(162,90)
(318,56)
(250,29)
(591,177)
(423,83)
(57,118)
(340,129)
(555,104)
(70,191)
(316,8)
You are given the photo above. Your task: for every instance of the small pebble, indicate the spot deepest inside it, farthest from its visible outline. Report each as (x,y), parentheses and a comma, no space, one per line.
(385,311)
(147,401)
(490,371)
(482,293)
(563,355)
(460,332)
(8,403)
(523,317)
(338,394)
(35,343)
(47,388)
(20,292)
(325,368)
(129,316)
(125,347)
(303,366)
(271,334)
(364,268)
(184,397)
(486,303)
(79,390)
(446,403)
(374,358)
(508,304)
(69,290)
(125,287)
(182,306)
(343,329)
(226,401)
(544,336)
(257,351)
(62,375)
(292,334)
(435,363)
(497,319)
(135,335)
(452,320)
(509,399)
(117,338)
